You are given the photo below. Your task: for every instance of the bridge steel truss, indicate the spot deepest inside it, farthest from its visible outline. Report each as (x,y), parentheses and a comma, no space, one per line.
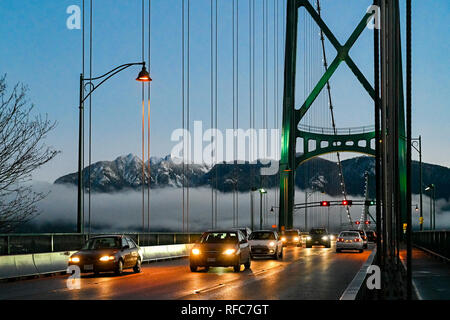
(392,144)
(292,116)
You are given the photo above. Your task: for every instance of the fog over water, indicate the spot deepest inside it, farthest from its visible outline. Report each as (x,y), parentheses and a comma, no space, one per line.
(122,211)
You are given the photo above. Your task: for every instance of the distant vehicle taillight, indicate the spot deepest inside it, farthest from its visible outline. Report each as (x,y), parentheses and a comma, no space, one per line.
(340,240)
(357,239)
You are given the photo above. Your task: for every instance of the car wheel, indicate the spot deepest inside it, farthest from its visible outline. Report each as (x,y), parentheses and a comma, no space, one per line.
(361,250)
(281,253)
(309,246)
(237,267)
(119,268)
(328,245)
(248,264)
(206,268)
(338,250)
(137,267)
(193,268)
(96,272)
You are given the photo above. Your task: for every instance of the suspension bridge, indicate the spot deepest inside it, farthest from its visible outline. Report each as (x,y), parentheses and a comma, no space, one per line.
(275,63)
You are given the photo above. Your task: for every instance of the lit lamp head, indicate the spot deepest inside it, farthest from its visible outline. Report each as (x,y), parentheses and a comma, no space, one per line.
(143,76)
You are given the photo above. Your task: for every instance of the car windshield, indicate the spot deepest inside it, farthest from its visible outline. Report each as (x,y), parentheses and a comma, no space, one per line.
(219,237)
(103,243)
(262,236)
(349,234)
(317,231)
(291,233)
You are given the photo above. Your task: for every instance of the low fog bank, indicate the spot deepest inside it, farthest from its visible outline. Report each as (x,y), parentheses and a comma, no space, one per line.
(122,212)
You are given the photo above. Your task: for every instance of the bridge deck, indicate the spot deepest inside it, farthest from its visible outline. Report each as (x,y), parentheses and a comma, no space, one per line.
(316,273)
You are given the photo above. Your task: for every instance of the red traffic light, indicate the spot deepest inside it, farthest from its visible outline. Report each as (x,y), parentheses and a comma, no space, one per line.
(325,204)
(347,202)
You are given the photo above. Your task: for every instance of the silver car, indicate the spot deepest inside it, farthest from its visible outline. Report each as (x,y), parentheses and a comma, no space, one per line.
(349,240)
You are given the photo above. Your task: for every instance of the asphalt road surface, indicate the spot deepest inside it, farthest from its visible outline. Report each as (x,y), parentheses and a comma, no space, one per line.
(316,273)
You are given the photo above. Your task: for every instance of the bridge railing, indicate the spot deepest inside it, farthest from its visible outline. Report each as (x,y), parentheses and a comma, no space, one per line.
(339,131)
(437,241)
(11,244)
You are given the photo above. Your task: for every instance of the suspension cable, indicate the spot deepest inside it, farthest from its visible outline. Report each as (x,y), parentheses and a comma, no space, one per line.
(148,114)
(333,122)
(90,117)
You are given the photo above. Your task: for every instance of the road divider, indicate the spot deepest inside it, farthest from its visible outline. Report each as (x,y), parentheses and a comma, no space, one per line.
(27,265)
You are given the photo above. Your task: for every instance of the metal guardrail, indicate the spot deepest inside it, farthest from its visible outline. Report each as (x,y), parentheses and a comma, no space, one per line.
(339,131)
(13,244)
(437,241)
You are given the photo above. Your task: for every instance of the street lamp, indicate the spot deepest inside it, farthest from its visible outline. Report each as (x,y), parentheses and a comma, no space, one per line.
(262,191)
(143,76)
(432,188)
(417,145)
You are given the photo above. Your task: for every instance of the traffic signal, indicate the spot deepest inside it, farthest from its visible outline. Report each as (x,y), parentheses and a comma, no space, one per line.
(347,202)
(357,222)
(325,203)
(367,222)
(369,203)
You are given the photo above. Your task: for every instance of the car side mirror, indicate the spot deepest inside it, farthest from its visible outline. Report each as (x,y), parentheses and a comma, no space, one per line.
(243,241)
(126,247)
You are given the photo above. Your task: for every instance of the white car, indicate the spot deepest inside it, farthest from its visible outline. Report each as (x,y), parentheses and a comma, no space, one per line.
(265,243)
(349,240)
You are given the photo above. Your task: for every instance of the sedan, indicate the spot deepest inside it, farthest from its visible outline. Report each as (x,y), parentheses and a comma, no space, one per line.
(223,248)
(108,253)
(265,243)
(349,240)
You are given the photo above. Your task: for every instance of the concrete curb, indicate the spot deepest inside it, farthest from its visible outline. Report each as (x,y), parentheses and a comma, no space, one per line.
(27,265)
(354,287)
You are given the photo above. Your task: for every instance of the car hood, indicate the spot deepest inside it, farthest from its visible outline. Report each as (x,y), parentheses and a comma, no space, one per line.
(260,242)
(215,246)
(95,253)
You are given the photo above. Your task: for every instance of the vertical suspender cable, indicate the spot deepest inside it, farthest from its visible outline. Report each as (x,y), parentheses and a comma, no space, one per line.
(408,150)
(143,123)
(216,117)
(90,118)
(234,107)
(148,115)
(212,109)
(237,106)
(188,109)
(182,110)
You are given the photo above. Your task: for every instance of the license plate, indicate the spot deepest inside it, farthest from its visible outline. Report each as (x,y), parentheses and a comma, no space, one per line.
(258,250)
(211,259)
(88,267)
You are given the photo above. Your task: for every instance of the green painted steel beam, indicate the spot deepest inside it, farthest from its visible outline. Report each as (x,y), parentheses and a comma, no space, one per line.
(335,143)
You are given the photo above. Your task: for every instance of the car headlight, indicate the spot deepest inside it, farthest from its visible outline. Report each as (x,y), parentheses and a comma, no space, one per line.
(107,258)
(296,238)
(271,244)
(283,239)
(308,238)
(229,251)
(325,238)
(331,237)
(195,251)
(74,259)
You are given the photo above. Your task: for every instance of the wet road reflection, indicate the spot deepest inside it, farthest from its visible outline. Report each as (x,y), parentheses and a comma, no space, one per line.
(315,273)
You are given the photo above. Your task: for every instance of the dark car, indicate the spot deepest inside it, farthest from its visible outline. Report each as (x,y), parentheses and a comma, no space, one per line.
(364,237)
(371,236)
(222,248)
(291,237)
(108,253)
(318,236)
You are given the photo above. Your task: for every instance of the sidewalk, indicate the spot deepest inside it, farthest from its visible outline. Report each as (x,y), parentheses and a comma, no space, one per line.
(431,277)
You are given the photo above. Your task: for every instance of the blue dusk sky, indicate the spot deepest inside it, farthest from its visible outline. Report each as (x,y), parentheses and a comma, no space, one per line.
(37,49)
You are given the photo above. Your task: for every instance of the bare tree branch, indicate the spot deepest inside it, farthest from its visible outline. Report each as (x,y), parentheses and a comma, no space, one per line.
(22,151)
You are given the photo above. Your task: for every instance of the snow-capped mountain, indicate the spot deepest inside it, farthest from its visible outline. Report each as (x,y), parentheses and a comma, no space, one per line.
(126,172)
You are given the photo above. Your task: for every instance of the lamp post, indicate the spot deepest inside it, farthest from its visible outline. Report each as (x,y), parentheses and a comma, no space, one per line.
(262,191)
(432,188)
(417,145)
(253,189)
(143,76)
